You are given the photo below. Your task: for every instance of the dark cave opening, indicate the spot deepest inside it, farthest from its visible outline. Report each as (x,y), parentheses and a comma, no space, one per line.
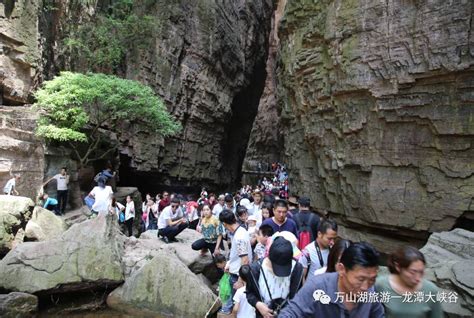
(152,182)
(9,6)
(244,110)
(465,221)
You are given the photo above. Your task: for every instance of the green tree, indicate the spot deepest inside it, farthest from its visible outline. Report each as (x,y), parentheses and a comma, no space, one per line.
(73,107)
(101,43)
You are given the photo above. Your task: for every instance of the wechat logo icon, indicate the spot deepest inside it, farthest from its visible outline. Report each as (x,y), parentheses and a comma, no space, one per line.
(321,296)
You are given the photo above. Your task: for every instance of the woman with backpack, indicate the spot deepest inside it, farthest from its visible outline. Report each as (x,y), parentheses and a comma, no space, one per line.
(115,208)
(275,280)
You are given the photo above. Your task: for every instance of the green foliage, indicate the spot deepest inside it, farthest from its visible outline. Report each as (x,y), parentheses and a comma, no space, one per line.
(102,43)
(73,106)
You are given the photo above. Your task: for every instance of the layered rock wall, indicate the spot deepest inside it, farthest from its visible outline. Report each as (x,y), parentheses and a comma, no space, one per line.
(266,140)
(207,61)
(19,50)
(377,102)
(208,64)
(20,151)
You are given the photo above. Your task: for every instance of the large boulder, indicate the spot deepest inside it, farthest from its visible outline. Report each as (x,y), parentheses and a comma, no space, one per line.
(87,255)
(77,216)
(14,213)
(18,305)
(44,225)
(164,286)
(192,259)
(450,260)
(138,252)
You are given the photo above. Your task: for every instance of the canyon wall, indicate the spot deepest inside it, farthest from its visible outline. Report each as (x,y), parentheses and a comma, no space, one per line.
(207,62)
(377,105)
(19,50)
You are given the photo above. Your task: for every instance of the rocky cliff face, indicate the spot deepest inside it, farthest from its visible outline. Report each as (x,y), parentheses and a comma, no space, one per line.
(19,50)
(377,104)
(208,63)
(265,142)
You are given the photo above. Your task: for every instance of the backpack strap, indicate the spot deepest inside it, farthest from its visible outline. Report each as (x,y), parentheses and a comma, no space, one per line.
(320,256)
(265,279)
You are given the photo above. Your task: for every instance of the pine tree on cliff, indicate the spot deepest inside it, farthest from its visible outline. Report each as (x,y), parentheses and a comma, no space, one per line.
(74,108)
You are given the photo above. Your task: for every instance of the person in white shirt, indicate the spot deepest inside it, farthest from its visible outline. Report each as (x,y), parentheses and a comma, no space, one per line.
(256,207)
(129,214)
(315,254)
(167,228)
(219,206)
(145,202)
(115,207)
(62,182)
(242,308)
(240,252)
(102,195)
(230,203)
(10,187)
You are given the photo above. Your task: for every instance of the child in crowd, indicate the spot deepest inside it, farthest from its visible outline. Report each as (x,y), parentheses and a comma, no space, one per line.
(50,204)
(252,229)
(242,308)
(242,216)
(264,235)
(220,261)
(252,226)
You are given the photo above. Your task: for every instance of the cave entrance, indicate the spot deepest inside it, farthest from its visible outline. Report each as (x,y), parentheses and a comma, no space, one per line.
(465,221)
(244,110)
(152,182)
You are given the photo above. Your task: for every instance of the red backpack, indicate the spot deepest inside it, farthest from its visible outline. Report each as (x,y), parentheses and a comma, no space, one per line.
(304,230)
(304,238)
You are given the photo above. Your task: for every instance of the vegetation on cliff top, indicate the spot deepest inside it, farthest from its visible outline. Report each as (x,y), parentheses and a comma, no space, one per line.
(73,107)
(101,43)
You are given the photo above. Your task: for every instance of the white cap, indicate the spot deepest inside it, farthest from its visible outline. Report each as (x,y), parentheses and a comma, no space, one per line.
(246,203)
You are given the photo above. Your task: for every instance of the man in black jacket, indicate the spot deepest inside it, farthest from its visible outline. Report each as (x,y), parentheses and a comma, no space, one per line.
(275,280)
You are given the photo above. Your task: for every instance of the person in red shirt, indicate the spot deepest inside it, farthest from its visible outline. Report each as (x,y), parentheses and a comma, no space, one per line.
(164,202)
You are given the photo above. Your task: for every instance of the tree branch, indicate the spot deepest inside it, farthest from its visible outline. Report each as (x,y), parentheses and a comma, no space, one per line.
(102,155)
(81,160)
(91,148)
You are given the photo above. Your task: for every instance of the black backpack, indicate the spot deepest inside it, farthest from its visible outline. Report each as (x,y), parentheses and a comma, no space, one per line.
(304,229)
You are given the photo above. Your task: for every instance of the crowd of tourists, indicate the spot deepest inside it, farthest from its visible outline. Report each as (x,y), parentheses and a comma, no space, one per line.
(277,256)
(280,258)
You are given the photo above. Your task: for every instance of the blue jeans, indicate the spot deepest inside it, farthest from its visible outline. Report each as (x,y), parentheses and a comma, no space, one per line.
(229,305)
